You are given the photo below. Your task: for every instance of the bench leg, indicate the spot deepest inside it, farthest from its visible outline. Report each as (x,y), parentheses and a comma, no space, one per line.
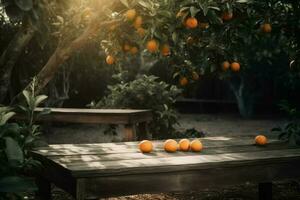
(143,131)
(129,132)
(265,191)
(44,189)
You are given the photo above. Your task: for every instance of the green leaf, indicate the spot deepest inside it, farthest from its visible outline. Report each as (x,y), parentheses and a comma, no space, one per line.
(25,5)
(13,151)
(27,96)
(4,118)
(17,184)
(39,99)
(194,11)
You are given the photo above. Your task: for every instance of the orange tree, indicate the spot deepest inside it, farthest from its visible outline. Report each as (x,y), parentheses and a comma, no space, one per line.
(238,40)
(243,42)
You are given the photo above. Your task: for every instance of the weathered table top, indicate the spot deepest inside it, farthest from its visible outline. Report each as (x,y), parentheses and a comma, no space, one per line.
(110,116)
(223,158)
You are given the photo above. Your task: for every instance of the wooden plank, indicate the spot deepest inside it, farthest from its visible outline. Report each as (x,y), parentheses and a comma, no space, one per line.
(180,163)
(95,111)
(79,160)
(129,147)
(190,180)
(95,116)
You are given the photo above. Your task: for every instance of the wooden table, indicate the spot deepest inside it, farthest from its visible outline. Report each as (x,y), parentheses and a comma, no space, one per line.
(129,118)
(113,169)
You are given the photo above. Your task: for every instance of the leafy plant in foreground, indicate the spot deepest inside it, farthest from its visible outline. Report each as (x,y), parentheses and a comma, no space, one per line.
(291,130)
(16,139)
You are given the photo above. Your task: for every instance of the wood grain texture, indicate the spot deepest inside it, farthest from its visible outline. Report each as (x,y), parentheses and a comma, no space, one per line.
(131,147)
(112,169)
(190,180)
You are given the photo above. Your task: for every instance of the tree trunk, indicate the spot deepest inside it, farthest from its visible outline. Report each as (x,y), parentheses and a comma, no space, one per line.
(10,56)
(245,102)
(62,53)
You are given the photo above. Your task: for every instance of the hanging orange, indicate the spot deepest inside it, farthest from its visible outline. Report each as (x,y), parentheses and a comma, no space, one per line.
(191,22)
(110,60)
(152,46)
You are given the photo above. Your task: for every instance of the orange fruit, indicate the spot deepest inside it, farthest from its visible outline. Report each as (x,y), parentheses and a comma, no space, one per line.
(170,145)
(191,22)
(130,14)
(226,16)
(165,50)
(196,145)
(266,28)
(225,65)
(183,81)
(235,66)
(134,50)
(126,47)
(184,145)
(152,46)
(261,140)
(146,146)
(138,22)
(195,76)
(110,60)
(141,31)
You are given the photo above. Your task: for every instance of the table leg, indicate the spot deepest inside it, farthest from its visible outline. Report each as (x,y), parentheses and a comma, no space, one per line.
(129,132)
(44,189)
(265,191)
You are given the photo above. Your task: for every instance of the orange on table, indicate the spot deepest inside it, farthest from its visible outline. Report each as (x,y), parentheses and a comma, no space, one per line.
(196,145)
(261,140)
(191,22)
(184,145)
(225,65)
(110,60)
(170,145)
(146,146)
(235,66)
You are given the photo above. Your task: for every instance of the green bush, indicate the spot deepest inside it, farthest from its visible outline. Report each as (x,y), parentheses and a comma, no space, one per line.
(291,130)
(16,139)
(145,92)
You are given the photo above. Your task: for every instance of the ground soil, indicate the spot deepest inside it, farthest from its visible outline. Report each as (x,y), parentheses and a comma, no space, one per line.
(212,125)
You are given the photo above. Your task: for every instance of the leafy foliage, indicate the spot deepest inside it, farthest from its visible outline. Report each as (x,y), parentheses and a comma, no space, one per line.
(15,141)
(146,92)
(291,130)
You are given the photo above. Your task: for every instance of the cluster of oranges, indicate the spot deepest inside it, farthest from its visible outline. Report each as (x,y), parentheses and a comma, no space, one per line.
(183,81)
(172,146)
(234,66)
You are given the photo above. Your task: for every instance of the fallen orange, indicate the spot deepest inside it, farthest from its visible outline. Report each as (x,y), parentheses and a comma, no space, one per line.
(196,145)
(170,145)
(146,146)
(184,145)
